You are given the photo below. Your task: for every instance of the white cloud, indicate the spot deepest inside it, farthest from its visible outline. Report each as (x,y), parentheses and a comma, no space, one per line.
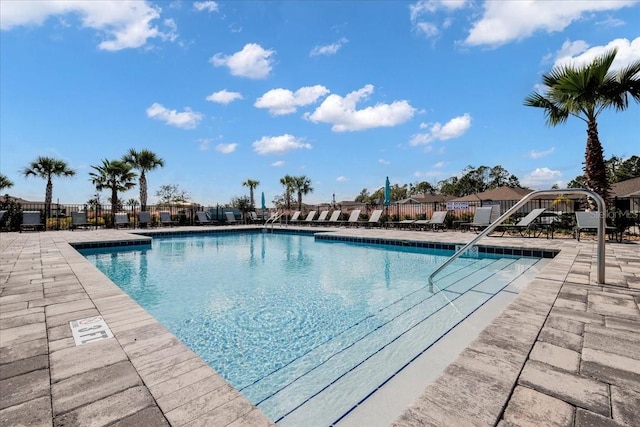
(330,49)
(454,128)
(429,28)
(440,165)
(342,179)
(283,101)
(252,61)
(278,164)
(204,143)
(226,148)
(122,23)
(506,21)
(224,97)
(342,114)
(578,53)
(207,6)
(187,119)
(279,144)
(384,162)
(533,154)
(540,178)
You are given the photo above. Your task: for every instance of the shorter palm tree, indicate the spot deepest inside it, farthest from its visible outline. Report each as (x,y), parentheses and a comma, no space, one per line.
(302,185)
(46,168)
(252,184)
(289,183)
(114,175)
(143,161)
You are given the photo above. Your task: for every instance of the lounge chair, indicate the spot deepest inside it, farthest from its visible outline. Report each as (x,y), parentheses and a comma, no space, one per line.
(353,217)
(588,221)
(230,218)
(144,219)
(322,218)
(481,219)
(526,225)
(374,219)
(295,217)
(310,216)
(420,223)
(31,221)
(122,220)
(402,224)
(203,218)
(335,217)
(165,219)
(274,217)
(79,220)
(437,220)
(253,218)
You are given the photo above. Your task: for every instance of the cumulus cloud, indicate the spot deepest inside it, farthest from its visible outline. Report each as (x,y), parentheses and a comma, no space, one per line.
(422,15)
(224,97)
(342,114)
(330,49)
(252,61)
(284,101)
(578,53)
(278,164)
(187,119)
(204,143)
(226,148)
(533,154)
(342,179)
(454,128)
(506,21)
(440,165)
(279,144)
(123,24)
(205,6)
(540,178)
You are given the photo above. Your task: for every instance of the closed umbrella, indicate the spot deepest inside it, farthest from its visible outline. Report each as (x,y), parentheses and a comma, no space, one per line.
(387,193)
(264,206)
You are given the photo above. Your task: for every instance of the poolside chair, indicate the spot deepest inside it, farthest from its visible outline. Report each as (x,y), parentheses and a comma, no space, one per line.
(295,217)
(79,220)
(31,221)
(144,219)
(322,218)
(353,217)
(588,221)
(374,219)
(405,223)
(165,219)
(334,218)
(481,219)
(203,218)
(230,218)
(526,225)
(253,218)
(310,216)
(437,221)
(122,220)
(420,223)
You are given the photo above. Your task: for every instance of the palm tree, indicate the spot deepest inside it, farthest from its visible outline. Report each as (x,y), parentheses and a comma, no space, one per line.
(5,182)
(46,168)
(252,184)
(302,184)
(288,182)
(143,161)
(584,92)
(114,175)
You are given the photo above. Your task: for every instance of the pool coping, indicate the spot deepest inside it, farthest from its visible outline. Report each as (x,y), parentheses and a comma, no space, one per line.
(46,283)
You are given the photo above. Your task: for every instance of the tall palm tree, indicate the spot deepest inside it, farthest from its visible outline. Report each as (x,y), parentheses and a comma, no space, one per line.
(584,92)
(5,182)
(114,175)
(143,161)
(288,182)
(46,168)
(302,185)
(252,184)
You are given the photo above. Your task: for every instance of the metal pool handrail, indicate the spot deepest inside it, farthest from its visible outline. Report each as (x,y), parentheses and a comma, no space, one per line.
(525,199)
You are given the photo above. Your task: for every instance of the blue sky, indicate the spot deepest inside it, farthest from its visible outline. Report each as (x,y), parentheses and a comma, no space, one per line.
(344,92)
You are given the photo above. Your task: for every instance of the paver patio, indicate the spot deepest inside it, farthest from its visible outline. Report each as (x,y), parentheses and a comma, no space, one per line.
(565,352)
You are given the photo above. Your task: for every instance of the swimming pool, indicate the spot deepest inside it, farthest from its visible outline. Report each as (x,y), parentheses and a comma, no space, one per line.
(305,329)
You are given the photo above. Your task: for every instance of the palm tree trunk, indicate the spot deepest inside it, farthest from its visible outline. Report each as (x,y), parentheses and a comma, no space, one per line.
(595,172)
(114,206)
(48,196)
(299,200)
(251,197)
(143,191)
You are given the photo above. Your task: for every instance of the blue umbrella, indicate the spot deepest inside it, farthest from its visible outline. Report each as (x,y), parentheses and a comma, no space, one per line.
(263,204)
(387,193)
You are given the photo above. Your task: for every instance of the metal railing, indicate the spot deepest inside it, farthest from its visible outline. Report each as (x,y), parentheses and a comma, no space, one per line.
(522,202)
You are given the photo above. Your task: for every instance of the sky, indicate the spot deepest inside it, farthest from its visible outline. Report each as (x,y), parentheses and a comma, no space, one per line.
(345,93)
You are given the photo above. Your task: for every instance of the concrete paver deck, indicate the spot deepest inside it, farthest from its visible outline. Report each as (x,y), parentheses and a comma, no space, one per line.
(565,352)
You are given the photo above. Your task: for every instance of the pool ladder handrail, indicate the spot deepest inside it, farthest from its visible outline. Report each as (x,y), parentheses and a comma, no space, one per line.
(601,228)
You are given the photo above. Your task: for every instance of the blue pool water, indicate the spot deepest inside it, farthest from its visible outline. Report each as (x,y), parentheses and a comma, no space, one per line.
(305,329)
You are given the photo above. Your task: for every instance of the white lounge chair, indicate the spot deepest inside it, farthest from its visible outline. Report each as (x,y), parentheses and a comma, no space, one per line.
(588,221)
(374,219)
(437,220)
(322,218)
(295,217)
(481,219)
(335,217)
(353,217)
(310,216)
